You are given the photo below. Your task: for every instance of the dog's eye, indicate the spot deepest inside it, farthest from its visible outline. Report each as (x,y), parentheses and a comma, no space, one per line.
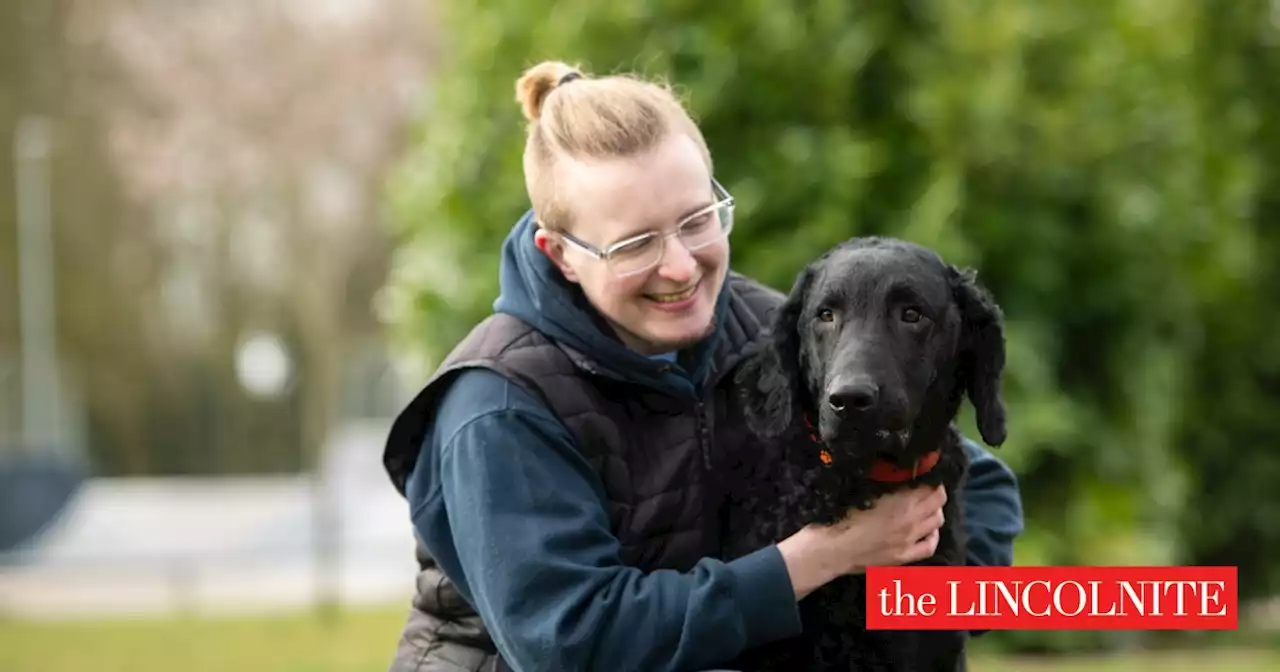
(911,315)
(826,315)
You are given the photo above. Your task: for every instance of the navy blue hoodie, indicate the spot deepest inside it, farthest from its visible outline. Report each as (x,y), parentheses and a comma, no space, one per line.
(533,552)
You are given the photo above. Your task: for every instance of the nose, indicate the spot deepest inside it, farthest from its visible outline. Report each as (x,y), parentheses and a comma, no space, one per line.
(855,396)
(678,263)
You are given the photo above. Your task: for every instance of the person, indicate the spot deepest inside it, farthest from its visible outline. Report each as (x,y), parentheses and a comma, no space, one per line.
(556,464)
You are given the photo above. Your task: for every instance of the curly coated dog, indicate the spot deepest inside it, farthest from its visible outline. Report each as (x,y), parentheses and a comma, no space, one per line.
(854,393)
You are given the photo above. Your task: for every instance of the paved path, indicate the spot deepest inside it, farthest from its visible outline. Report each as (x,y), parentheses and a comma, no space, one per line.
(130,546)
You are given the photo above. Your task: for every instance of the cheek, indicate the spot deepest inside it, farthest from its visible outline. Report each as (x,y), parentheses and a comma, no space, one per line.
(926,353)
(815,352)
(713,256)
(628,288)
(610,290)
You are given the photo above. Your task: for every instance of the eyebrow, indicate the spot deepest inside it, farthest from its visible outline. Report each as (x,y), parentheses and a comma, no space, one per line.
(907,290)
(694,210)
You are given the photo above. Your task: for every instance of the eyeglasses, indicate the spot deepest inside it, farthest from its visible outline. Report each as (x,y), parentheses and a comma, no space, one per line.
(638,254)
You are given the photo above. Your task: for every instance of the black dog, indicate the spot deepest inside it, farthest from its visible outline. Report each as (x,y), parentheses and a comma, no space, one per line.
(855,392)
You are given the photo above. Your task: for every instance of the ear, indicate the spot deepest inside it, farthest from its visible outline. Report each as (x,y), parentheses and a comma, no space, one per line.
(553,247)
(982,353)
(770,377)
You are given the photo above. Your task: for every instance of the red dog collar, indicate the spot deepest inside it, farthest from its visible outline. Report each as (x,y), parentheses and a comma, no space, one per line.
(888,472)
(882,470)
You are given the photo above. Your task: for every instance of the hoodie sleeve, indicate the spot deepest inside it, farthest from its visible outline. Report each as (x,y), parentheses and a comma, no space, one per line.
(532,549)
(992,508)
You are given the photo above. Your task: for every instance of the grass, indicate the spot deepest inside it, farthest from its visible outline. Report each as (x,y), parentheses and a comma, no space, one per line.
(364,640)
(1218,660)
(358,640)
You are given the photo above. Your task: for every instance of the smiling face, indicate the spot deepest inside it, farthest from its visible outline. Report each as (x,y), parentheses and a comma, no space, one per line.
(670,305)
(880,328)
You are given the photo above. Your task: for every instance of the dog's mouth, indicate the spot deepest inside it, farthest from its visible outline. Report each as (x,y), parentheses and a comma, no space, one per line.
(881,453)
(888,443)
(888,431)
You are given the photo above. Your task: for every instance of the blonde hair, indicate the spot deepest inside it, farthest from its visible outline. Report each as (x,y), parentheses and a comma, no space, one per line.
(590,118)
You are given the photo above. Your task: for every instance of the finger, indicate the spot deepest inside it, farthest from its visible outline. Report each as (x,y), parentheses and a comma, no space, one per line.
(919,498)
(919,549)
(937,497)
(923,511)
(916,499)
(930,504)
(929,546)
(930,524)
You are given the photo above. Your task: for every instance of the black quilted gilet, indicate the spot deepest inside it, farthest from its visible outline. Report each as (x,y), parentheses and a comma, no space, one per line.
(651,450)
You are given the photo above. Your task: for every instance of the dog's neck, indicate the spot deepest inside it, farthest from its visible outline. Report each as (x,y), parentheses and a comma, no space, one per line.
(882,471)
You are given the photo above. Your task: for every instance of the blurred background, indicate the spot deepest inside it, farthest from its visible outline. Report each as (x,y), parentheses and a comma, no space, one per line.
(234,237)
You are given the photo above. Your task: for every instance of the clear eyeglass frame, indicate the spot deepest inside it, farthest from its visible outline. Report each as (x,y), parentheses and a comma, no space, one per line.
(624,264)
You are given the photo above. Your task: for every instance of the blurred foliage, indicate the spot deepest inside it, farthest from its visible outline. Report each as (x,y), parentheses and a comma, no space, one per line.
(212,172)
(1109,167)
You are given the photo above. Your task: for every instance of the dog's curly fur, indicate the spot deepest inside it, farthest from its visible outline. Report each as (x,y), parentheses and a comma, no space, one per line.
(923,373)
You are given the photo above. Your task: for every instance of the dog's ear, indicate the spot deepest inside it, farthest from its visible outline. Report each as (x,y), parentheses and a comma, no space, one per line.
(769,379)
(982,353)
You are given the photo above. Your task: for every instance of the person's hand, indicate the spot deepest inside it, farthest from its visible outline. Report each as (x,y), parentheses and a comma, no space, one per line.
(902,527)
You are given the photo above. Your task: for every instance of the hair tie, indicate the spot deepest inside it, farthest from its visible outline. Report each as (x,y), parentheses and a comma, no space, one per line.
(569,78)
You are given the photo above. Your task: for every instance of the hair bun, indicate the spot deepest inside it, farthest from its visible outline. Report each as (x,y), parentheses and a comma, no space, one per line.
(536,82)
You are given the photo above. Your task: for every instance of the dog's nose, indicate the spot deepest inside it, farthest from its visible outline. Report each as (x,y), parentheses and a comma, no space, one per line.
(855,396)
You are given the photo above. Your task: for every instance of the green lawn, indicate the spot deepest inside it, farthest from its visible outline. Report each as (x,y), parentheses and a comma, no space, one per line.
(364,640)
(1225,660)
(357,641)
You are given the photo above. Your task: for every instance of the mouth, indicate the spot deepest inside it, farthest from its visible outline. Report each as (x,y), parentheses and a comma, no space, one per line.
(673,297)
(883,443)
(897,440)
(891,446)
(881,425)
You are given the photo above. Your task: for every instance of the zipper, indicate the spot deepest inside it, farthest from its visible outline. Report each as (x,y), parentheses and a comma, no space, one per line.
(704,434)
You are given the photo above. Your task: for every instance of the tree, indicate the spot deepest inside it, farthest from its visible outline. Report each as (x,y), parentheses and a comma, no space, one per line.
(217,169)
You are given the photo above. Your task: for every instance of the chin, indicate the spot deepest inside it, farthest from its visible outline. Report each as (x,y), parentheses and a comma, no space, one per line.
(683,333)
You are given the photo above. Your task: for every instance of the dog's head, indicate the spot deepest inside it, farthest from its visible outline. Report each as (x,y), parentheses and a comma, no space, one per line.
(877,343)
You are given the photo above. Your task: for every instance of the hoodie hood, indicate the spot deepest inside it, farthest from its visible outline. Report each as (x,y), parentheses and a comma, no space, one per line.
(532,289)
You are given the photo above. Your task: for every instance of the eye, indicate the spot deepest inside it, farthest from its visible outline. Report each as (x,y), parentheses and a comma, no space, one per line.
(911,315)
(826,315)
(698,224)
(635,246)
